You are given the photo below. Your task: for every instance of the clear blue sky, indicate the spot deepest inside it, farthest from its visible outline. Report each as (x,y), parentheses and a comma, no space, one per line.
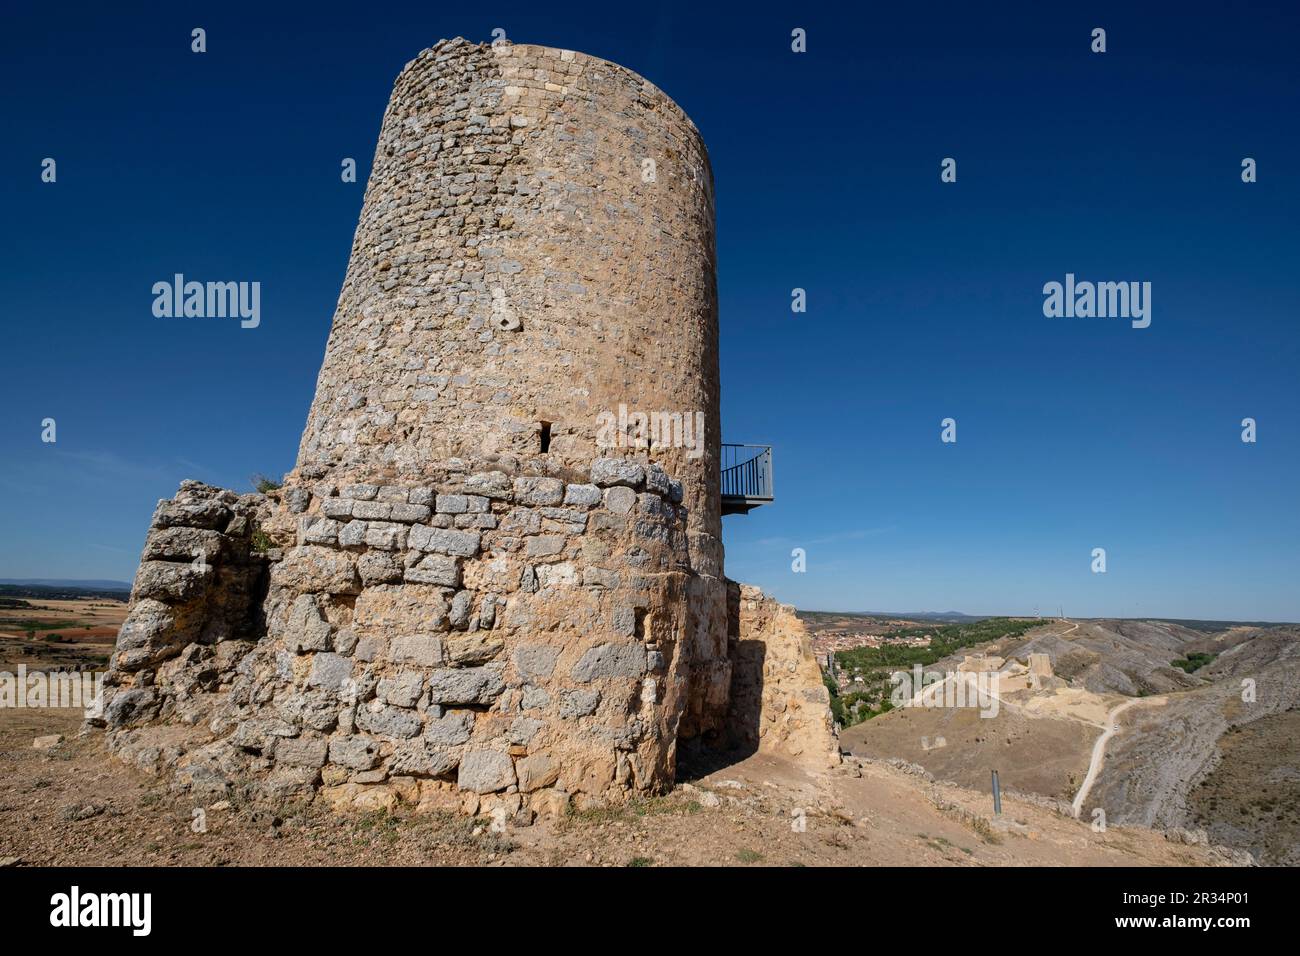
(924,298)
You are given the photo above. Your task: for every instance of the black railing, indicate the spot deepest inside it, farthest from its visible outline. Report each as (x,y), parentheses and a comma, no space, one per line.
(747,472)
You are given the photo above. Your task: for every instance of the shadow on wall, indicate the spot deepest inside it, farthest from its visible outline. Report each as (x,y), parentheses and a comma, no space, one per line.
(778,703)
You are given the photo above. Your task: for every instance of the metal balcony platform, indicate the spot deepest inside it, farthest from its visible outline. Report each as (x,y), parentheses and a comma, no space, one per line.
(746,478)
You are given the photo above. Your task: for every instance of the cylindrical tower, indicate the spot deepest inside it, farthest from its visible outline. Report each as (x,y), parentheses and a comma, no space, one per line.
(493,580)
(515,434)
(535,257)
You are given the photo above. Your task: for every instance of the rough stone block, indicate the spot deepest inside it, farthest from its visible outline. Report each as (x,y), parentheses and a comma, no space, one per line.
(422,649)
(624,621)
(403,689)
(445,541)
(563,574)
(171,582)
(616,471)
(620,499)
(302,752)
(354,752)
(537,771)
(418,759)
(452,504)
(579,703)
(545,546)
(305,628)
(372,510)
(539,491)
(296,499)
(523,729)
(534,698)
(657,480)
(379,567)
(182,544)
(386,537)
(318,530)
(466,685)
(491,484)
(330,671)
(435,569)
(353,534)
(583,496)
(407,512)
(337,507)
(451,730)
(207,513)
(600,577)
(535,661)
(311,568)
(485,771)
(610,660)
(388,721)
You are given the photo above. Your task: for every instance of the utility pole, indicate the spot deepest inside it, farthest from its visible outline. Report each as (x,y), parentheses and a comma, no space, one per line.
(997,795)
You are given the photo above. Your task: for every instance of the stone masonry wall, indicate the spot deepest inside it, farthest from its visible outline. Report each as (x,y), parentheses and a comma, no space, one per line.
(197,598)
(778,701)
(513,266)
(478,640)
(515,273)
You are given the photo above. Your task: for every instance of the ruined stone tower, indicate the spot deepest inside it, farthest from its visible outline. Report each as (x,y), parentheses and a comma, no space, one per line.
(468,592)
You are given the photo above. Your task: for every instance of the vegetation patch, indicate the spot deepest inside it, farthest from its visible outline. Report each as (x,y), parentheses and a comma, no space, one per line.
(874,665)
(1194,662)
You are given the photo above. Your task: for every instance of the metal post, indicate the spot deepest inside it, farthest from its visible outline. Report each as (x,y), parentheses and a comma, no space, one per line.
(997,795)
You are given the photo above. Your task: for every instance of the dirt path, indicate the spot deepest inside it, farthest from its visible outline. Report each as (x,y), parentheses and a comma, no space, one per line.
(1099,748)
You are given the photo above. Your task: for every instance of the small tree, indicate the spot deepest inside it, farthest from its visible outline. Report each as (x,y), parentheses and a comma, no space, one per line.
(264,484)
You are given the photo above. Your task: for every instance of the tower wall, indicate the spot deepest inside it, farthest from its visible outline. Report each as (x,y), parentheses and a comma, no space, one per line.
(513,266)
(476,592)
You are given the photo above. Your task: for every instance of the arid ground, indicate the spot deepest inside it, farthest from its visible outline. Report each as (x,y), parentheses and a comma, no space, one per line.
(72,804)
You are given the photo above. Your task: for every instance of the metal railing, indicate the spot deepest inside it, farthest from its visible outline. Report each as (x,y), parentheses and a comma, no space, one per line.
(747,472)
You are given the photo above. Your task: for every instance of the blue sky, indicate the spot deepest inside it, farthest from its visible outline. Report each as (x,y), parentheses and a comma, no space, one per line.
(924,298)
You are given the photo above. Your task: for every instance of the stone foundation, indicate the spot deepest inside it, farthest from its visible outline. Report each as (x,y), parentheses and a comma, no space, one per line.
(494,633)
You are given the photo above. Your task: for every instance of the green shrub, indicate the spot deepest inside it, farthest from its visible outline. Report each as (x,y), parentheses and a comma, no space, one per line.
(264,484)
(1194,662)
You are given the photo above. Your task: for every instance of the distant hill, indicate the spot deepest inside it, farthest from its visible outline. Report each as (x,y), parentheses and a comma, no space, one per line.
(1198,625)
(958,616)
(950,616)
(88,585)
(52,589)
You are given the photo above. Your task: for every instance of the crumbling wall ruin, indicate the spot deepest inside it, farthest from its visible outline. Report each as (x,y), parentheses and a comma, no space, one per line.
(778,702)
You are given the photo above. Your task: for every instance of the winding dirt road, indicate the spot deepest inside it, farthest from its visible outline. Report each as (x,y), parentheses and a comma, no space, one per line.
(1099,748)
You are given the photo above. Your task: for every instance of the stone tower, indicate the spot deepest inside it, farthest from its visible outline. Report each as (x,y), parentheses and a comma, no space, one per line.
(478,587)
